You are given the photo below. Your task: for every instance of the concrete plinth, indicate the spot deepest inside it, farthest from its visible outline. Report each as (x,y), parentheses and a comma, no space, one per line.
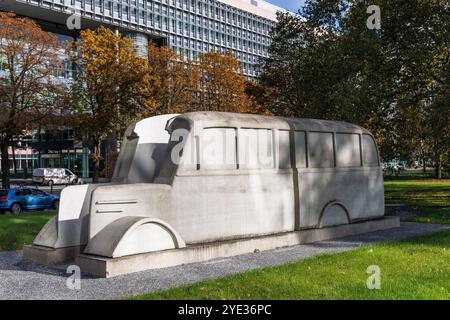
(50,256)
(111,267)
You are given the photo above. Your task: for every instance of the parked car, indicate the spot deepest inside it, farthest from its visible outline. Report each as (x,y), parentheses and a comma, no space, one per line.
(393,168)
(16,200)
(51,176)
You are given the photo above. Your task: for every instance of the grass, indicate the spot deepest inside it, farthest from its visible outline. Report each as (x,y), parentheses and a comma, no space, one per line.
(18,230)
(431,197)
(415,268)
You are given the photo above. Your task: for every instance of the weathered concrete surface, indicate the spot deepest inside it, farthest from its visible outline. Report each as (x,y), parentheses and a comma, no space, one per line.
(101,264)
(238,176)
(51,256)
(142,150)
(26,280)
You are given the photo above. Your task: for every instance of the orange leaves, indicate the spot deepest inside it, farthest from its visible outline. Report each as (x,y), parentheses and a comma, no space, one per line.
(173,82)
(108,87)
(28,92)
(214,82)
(223,84)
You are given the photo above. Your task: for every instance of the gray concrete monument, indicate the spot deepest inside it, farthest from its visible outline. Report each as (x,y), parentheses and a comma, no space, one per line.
(207,185)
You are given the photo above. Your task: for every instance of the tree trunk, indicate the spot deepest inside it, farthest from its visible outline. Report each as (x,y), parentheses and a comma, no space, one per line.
(5,166)
(424,165)
(439,167)
(96,160)
(96,173)
(13,156)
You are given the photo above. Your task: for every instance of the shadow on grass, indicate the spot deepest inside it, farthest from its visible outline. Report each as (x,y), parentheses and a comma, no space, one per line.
(408,176)
(19,230)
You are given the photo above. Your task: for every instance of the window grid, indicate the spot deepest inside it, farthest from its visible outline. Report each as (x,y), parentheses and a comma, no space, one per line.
(207,24)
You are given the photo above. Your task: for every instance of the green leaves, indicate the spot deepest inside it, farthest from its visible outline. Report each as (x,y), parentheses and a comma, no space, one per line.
(325,63)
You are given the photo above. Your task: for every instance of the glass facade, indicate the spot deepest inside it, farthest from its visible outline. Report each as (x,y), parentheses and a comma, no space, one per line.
(58,149)
(189,26)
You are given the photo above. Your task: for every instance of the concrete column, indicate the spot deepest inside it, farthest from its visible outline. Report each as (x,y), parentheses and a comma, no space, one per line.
(85,163)
(141,42)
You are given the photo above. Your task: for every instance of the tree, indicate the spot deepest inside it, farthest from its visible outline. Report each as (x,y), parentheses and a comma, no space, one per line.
(174,82)
(222,84)
(214,82)
(325,62)
(108,89)
(29,92)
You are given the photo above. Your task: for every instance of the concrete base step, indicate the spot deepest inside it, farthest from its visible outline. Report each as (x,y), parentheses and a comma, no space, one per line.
(111,267)
(50,256)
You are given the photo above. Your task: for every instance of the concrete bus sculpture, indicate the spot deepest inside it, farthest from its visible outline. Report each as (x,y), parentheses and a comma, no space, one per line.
(214,185)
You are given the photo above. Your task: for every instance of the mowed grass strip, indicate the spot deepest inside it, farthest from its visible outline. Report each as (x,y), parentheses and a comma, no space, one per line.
(415,268)
(19,230)
(430,196)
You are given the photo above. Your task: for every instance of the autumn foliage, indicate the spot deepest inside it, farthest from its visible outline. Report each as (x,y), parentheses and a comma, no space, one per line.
(108,88)
(29,94)
(173,84)
(222,84)
(214,82)
(111,86)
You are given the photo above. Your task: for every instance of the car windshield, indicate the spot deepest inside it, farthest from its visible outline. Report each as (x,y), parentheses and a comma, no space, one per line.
(3,193)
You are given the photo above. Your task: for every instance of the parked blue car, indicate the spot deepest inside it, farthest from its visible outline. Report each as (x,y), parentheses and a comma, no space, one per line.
(16,200)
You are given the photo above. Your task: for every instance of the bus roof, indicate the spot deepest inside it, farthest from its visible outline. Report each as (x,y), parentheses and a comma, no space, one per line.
(244,120)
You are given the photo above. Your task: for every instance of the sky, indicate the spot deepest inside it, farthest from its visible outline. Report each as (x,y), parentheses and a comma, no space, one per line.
(291,5)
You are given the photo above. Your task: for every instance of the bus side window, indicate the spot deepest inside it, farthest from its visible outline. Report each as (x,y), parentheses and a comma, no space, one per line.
(370,154)
(284,150)
(219,149)
(320,147)
(300,149)
(189,153)
(348,153)
(256,149)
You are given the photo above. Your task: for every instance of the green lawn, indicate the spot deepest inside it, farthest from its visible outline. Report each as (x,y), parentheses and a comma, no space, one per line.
(18,230)
(416,268)
(431,197)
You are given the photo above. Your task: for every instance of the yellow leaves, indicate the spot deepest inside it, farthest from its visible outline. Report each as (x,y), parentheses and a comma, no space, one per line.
(116,83)
(32,94)
(172,83)
(108,86)
(223,84)
(96,157)
(214,82)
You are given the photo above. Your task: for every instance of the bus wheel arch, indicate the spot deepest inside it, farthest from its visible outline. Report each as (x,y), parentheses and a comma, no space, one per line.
(154,235)
(334,213)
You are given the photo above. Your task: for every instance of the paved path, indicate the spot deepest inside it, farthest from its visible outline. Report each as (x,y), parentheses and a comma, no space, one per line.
(25,280)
